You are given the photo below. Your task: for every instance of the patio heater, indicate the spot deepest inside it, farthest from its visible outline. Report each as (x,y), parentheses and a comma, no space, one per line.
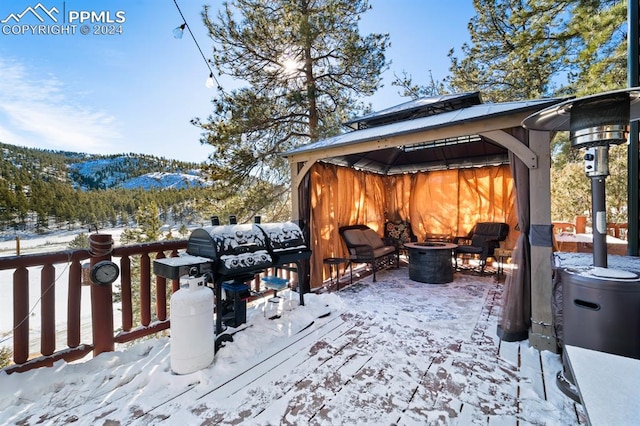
(600,305)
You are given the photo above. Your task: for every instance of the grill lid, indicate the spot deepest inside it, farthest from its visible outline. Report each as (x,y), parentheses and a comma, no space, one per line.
(285,242)
(237,249)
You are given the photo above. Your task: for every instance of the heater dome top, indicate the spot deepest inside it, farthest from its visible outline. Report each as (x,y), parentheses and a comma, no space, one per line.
(558,117)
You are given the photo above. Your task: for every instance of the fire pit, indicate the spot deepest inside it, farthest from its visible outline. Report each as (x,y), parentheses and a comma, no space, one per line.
(430,262)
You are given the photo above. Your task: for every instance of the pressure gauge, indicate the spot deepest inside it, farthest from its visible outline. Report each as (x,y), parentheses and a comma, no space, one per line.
(104,272)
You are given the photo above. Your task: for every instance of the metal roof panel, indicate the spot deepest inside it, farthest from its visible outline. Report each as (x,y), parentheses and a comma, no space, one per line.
(416,104)
(476,112)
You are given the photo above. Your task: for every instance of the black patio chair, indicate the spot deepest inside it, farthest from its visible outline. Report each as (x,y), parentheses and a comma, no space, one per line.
(365,246)
(483,239)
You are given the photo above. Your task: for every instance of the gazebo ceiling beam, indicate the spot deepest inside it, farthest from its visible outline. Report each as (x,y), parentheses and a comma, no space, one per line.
(394,158)
(490,160)
(514,145)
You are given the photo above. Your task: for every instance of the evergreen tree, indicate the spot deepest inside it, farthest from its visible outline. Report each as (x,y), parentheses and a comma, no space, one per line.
(517,48)
(598,30)
(416,91)
(305,65)
(6,355)
(598,58)
(183,231)
(149,224)
(81,241)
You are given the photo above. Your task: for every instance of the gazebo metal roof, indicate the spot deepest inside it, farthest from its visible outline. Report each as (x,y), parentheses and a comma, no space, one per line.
(458,152)
(415,109)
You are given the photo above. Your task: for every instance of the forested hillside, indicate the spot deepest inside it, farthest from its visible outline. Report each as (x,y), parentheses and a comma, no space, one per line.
(43,189)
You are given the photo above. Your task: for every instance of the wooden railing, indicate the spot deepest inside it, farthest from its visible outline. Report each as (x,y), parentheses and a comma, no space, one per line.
(618,230)
(615,229)
(102,312)
(149,321)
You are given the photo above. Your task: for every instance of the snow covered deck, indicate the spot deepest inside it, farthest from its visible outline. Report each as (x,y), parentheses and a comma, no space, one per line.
(392,352)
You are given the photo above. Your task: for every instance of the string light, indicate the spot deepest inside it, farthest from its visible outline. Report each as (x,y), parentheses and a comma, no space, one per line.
(179,31)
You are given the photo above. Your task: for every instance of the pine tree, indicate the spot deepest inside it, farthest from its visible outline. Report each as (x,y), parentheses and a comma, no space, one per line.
(598,29)
(517,49)
(416,91)
(305,65)
(597,56)
(149,224)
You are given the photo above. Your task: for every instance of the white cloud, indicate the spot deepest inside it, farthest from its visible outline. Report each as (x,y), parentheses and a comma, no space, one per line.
(42,112)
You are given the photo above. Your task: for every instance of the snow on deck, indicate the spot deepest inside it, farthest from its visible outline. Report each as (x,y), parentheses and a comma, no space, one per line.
(392,352)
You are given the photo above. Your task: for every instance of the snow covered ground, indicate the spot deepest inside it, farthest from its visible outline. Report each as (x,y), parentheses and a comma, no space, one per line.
(392,352)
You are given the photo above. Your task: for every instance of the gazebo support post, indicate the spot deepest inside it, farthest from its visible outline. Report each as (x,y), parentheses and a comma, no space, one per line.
(295,184)
(541,334)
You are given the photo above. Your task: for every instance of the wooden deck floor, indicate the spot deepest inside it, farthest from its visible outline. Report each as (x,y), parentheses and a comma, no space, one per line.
(395,352)
(350,369)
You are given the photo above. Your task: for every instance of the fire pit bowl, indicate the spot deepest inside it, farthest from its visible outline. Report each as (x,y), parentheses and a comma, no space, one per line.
(430,262)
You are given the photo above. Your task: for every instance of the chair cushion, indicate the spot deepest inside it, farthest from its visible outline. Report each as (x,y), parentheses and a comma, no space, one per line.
(469,249)
(355,237)
(373,239)
(383,251)
(491,230)
(479,240)
(399,231)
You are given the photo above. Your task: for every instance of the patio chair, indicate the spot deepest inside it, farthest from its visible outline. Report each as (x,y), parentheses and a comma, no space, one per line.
(400,233)
(483,239)
(365,246)
(563,227)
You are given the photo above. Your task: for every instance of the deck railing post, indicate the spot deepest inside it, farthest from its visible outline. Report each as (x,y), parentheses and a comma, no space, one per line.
(161,293)
(145,289)
(74,306)
(48,317)
(125,293)
(101,297)
(20,315)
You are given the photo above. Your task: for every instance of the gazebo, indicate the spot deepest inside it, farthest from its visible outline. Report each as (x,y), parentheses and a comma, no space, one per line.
(442,163)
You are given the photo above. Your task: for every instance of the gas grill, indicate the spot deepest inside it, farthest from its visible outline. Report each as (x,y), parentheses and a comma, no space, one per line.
(285,243)
(231,255)
(239,251)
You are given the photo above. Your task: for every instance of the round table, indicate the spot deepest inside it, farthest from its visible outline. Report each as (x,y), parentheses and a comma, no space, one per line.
(430,262)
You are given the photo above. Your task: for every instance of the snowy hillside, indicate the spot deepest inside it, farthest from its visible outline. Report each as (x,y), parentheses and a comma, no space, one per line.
(131,172)
(160,180)
(42,190)
(27,167)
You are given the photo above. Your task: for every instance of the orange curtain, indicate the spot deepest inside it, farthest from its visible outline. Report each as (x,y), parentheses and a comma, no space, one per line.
(446,202)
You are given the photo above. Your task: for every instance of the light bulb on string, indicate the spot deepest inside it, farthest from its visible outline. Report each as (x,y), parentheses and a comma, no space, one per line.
(210,82)
(178,32)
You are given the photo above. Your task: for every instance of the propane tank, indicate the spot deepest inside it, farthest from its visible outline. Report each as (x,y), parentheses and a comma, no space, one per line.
(192,336)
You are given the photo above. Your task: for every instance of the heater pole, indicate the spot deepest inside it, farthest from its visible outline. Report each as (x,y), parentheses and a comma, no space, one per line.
(597,168)
(599,220)
(633,191)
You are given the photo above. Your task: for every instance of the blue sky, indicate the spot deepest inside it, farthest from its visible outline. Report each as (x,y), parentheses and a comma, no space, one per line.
(136,91)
